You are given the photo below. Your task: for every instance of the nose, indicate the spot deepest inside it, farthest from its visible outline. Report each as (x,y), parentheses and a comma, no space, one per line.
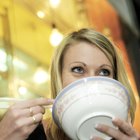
(91,73)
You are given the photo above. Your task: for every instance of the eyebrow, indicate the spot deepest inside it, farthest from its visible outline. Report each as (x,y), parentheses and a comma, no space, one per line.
(78,62)
(106,65)
(85,64)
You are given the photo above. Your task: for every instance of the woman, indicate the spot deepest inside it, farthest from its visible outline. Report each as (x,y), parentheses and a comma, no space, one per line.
(81,54)
(88,53)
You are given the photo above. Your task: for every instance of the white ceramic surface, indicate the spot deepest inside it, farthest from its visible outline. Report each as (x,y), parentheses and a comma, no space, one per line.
(83,104)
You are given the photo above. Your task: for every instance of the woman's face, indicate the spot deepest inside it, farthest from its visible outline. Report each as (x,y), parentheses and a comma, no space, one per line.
(83,60)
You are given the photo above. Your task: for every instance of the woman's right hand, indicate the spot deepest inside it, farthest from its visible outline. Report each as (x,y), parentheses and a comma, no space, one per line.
(22,118)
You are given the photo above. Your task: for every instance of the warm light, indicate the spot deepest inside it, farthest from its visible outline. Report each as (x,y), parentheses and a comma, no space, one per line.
(3,56)
(19,63)
(3,67)
(3,61)
(50,109)
(22,90)
(54,3)
(40,14)
(55,37)
(41,76)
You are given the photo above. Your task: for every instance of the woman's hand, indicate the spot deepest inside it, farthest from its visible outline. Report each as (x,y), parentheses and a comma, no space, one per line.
(125,131)
(22,118)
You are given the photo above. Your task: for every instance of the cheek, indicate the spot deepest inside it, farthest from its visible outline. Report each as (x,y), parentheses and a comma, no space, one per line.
(67,79)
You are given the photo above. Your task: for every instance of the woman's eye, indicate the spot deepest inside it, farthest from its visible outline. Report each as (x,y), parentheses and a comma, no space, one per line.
(104,72)
(77,70)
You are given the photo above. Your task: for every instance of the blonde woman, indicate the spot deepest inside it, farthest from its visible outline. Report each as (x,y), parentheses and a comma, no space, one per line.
(87,53)
(81,54)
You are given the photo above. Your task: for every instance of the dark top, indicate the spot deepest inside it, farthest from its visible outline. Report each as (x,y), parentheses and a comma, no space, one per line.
(38,134)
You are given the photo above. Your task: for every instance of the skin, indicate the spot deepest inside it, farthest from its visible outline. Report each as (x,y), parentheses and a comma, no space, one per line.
(83,60)
(18,123)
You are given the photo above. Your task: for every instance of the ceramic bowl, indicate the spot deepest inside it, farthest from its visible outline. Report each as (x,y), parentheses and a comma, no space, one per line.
(83,104)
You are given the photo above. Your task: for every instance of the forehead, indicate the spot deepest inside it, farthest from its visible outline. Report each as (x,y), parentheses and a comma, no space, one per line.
(84,51)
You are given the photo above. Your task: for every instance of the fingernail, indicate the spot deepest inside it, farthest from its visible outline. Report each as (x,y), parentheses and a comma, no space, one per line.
(93,138)
(97,126)
(114,119)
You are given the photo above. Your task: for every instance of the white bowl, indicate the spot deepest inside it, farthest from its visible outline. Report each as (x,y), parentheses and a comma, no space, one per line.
(83,104)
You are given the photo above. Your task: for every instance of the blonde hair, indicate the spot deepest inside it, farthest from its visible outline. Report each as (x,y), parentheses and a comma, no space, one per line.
(109,49)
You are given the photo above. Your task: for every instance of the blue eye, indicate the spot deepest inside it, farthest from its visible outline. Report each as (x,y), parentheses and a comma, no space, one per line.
(104,72)
(79,70)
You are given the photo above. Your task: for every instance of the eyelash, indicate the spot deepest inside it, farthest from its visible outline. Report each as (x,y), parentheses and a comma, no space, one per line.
(105,70)
(77,67)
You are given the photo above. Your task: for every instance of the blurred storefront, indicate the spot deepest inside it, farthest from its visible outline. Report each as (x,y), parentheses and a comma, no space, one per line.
(28,30)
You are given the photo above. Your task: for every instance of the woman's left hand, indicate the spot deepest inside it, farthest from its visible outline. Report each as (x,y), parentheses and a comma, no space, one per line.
(125,131)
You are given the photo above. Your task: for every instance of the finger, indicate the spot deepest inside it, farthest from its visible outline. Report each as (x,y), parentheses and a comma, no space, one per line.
(26,112)
(25,130)
(33,110)
(96,138)
(36,110)
(112,132)
(124,127)
(34,102)
(25,123)
(32,120)
(35,119)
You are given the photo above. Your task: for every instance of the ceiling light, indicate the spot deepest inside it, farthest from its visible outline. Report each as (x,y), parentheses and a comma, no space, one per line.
(55,37)
(3,56)
(19,63)
(3,61)
(22,90)
(40,14)
(54,3)
(41,76)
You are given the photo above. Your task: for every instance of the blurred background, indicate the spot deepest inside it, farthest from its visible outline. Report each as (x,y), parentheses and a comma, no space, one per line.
(30,30)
